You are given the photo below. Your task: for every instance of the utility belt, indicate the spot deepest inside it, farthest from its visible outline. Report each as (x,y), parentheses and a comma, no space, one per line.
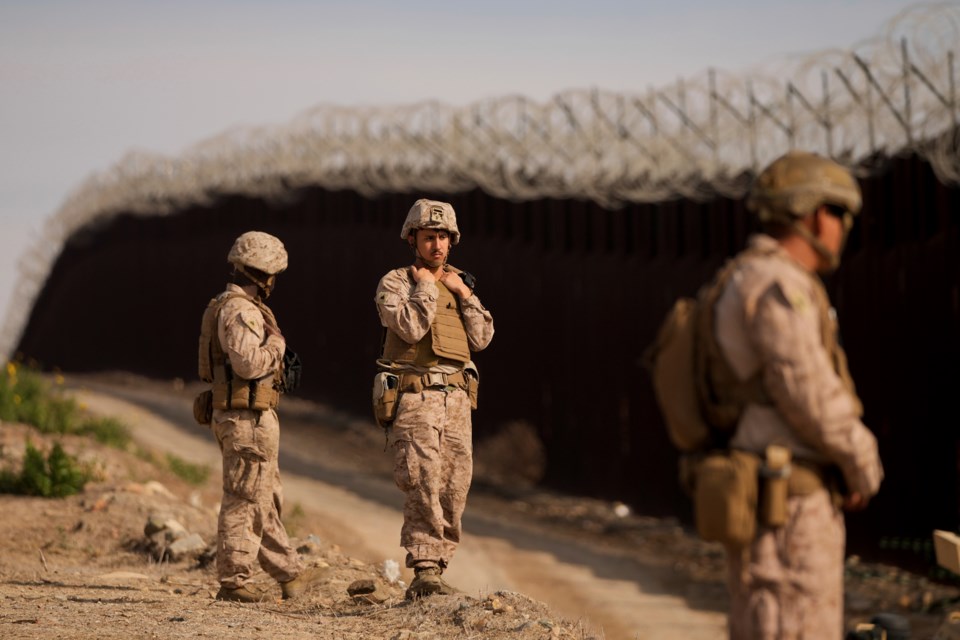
(734,491)
(416,383)
(387,388)
(256,395)
(807,477)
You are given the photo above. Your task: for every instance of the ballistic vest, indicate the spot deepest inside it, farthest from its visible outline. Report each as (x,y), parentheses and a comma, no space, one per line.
(229,390)
(444,343)
(723,395)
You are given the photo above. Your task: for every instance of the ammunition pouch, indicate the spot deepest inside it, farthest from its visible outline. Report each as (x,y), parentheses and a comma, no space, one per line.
(473,385)
(725,497)
(203,407)
(256,395)
(386,388)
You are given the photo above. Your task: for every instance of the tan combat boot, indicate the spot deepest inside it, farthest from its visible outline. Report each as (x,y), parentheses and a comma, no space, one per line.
(427,582)
(240,594)
(306,579)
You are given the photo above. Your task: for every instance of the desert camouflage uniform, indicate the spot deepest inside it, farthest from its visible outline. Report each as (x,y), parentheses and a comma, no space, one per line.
(789,582)
(249,529)
(432,435)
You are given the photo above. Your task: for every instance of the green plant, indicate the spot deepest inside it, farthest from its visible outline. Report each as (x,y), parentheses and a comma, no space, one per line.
(195,474)
(293,519)
(108,431)
(57,475)
(26,397)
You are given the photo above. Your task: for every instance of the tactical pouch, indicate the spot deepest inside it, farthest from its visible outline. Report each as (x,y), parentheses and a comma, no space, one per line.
(385,393)
(775,472)
(472,378)
(264,396)
(239,395)
(473,386)
(221,401)
(725,498)
(203,407)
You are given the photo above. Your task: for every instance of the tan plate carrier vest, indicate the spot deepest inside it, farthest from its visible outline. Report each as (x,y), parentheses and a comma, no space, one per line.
(723,396)
(231,391)
(445,342)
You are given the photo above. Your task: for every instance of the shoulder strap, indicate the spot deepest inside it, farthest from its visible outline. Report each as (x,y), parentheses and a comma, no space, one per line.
(722,395)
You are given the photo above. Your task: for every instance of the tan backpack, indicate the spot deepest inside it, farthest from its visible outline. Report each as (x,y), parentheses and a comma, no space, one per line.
(672,366)
(700,397)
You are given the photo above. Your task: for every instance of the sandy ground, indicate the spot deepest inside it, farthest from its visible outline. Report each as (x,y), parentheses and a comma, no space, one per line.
(533,564)
(609,590)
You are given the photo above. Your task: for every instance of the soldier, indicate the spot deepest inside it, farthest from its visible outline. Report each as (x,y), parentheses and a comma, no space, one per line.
(433,321)
(774,325)
(241,353)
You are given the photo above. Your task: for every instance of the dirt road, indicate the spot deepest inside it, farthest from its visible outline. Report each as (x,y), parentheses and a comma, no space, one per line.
(611,590)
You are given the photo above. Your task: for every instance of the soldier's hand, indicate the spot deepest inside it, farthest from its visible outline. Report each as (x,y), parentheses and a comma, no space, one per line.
(453,282)
(855,502)
(271,330)
(421,274)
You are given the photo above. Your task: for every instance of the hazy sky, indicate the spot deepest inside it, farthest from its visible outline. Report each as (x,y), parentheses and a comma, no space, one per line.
(84,82)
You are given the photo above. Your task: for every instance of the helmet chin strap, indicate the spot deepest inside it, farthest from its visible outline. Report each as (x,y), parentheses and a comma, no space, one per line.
(832,259)
(433,264)
(264,287)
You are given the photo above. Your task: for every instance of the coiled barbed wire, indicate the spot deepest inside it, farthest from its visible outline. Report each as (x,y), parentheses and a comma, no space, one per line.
(694,139)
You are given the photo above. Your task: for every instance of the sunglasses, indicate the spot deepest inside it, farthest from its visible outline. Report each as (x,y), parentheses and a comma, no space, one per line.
(842,214)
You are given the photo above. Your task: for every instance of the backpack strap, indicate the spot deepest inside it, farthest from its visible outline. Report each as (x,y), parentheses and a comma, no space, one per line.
(722,395)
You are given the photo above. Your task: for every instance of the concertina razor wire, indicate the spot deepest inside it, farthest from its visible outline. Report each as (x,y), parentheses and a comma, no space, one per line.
(701,137)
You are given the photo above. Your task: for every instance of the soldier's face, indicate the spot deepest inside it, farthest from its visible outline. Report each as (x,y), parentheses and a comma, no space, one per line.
(433,246)
(834,226)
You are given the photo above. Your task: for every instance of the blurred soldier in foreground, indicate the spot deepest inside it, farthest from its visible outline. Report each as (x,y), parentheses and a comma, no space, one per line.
(242,354)
(777,334)
(426,388)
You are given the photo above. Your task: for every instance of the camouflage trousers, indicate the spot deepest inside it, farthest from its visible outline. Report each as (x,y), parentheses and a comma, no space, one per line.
(788,585)
(249,529)
(433,465)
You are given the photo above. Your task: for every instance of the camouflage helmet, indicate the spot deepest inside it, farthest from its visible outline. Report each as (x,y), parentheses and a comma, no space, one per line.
(795,184)
(431,214)
(259,250)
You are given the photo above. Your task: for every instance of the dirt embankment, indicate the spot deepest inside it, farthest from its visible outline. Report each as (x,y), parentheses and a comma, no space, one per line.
(83,567)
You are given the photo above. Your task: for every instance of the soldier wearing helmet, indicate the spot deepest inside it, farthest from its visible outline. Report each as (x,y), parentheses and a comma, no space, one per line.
(241,354)
(776,331)
(426,388)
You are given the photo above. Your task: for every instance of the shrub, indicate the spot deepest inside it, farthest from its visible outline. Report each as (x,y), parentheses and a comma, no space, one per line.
(26,397)
(54,476)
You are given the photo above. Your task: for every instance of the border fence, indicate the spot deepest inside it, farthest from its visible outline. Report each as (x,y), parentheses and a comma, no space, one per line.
(584,218)
(697,139)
